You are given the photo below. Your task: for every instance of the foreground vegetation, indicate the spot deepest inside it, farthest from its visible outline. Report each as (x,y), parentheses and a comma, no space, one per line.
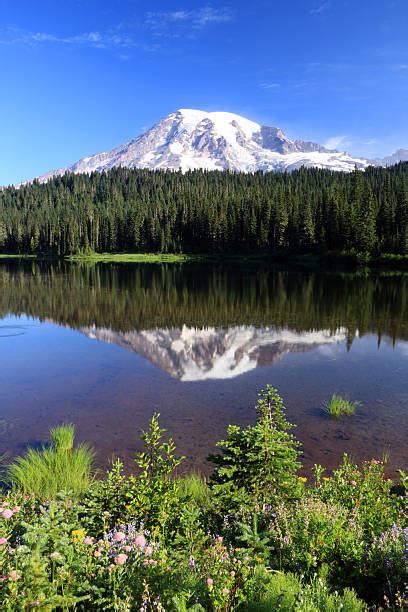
(339,406)
(256,537)
(128,210)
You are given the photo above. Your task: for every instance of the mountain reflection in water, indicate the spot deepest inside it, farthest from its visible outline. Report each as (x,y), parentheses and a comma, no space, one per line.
(196,343)
(191,354)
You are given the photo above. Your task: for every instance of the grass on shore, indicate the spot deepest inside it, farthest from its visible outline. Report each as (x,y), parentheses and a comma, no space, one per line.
(59,467)
(340,406)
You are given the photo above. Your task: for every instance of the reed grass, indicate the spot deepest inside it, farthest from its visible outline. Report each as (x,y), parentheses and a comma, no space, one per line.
(340,406)
(193,487)
(56,468)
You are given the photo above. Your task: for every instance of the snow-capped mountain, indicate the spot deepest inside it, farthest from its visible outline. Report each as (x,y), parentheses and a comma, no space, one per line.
(399,156)
(188,139)
(192,354)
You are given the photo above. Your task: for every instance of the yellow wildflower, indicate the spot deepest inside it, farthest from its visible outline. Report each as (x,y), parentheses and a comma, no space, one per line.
(78,534)
(326,478)
(302,479)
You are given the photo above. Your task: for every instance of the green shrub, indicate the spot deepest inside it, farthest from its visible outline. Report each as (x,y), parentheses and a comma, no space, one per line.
(288,593)
(258,464)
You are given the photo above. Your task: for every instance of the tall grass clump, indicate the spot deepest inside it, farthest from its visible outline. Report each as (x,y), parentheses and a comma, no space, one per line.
(58,467)
(193,487)
(340,406)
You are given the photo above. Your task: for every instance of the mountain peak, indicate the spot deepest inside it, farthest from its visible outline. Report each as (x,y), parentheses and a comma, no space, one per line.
(189,139)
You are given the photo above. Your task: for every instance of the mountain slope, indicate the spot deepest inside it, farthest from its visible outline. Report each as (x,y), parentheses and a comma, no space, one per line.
(189,139)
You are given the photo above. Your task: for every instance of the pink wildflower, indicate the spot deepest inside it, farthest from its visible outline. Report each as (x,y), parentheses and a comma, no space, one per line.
(232,573)
(121,559)
(353,483)
(225,591)
(14,575)
(128,548)
(146,562)
(16,509)
(88,540)
(148,551)
(7,513)
(97,553)
(210,581)
(3,541)
(140,541)
(119,536)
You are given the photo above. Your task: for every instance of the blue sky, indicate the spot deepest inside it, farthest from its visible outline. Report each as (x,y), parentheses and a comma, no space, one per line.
(82,76)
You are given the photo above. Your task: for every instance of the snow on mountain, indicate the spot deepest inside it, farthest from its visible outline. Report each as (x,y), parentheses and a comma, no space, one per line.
(192,354)
(399,156)
(188,139)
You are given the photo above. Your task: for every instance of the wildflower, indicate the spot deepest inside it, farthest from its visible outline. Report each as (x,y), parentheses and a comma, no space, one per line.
(16,509)
(128,548)
(119,536)
(3,577)
(148,551)
(121,559)
(7,513)
(326,478)
(56,556)
(97,553)
(353,483)
(302,479)
(140,541)
(225,591)
(259,559)
(88,541)
(14,575)
(146,562)
(210,582)
(232,573)
(78,534)
(3,541)
(191,562)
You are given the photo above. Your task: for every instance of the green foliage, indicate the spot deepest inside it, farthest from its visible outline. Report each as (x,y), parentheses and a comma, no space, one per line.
(288,593)
(155,541)
(153,493)
(135,210)
(59,467)
(258,464)
(340,406)
(193,488)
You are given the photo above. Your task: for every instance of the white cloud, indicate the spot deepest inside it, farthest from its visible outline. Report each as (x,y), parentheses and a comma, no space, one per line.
(100,40)
(336,142)
(321,8)
(199,18)
(269,85)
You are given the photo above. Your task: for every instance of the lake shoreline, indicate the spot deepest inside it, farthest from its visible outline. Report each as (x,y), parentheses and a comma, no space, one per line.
(328,259)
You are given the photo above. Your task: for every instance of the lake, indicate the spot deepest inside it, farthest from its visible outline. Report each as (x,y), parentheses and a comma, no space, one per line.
(106,346)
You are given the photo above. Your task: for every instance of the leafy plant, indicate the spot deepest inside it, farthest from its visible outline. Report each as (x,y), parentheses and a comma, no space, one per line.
(153,494)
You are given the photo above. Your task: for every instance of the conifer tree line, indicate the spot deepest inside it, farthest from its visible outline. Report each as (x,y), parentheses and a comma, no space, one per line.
(209,211)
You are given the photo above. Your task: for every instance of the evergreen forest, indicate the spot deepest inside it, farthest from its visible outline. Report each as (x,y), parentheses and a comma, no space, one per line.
(133,210)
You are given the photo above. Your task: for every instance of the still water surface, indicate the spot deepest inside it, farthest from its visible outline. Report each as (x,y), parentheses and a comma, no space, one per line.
(106,346)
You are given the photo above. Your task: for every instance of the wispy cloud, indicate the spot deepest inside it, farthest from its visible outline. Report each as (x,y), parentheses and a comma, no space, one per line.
(161,21)
(336,142)
(269,85)
(321,8)
(100,40)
